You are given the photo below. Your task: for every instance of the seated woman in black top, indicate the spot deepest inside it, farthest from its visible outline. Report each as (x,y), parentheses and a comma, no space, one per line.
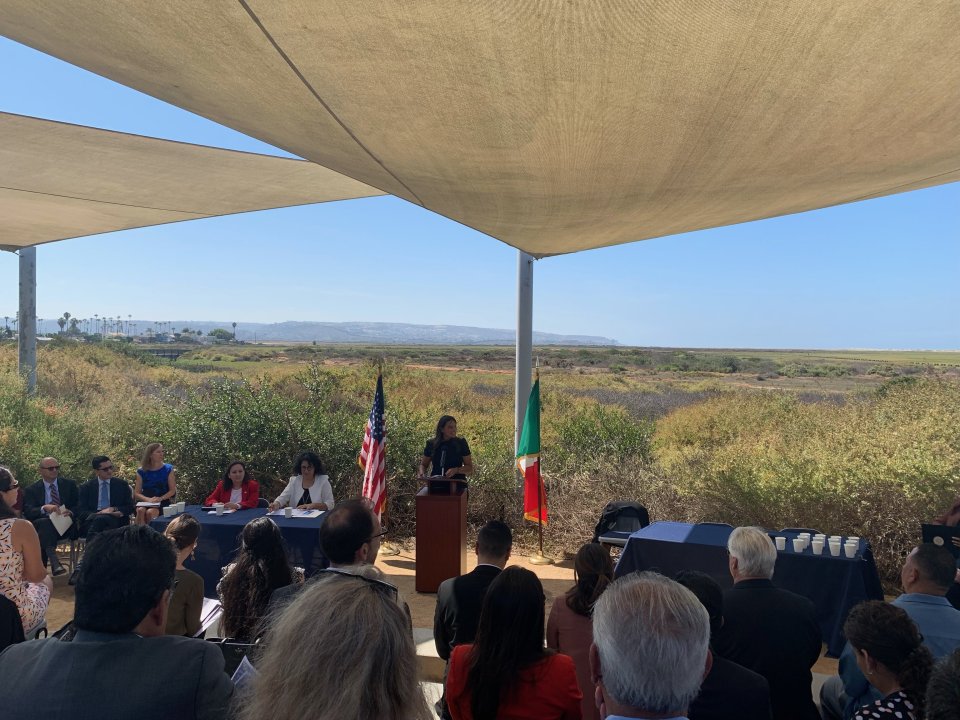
(446,455)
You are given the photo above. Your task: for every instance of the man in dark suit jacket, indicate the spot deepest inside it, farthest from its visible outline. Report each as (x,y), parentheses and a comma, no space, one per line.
(460,599)
(106,502)
(729,690)
(769,630)
(120,664)
(53,494)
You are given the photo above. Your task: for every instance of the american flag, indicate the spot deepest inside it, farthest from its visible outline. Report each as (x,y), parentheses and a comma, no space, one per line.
(372,458)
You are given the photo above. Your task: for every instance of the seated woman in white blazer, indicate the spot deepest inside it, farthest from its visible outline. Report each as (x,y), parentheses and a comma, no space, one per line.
(308,490)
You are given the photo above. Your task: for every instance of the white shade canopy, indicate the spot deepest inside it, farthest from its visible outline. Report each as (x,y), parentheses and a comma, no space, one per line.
(60,181)
(556,125)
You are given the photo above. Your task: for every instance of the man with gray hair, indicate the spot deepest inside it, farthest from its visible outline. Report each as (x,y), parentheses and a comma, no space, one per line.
(650,648)
(771,631)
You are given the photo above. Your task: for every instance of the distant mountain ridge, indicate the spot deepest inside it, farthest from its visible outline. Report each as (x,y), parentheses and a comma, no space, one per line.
(376,333)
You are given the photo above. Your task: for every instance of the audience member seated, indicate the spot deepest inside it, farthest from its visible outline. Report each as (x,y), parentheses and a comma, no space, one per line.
(570,628)
(156,482)
(650,648)
(237,490)
(943,689)
(349,538)
(507,673)
(729,690)
(23,578)
(53,494)
(460,599)
(120,664)
(769,630)
(926,575)
(889,651)
(342,648)
(186,604)
(106,503)
(309,486)
(261,566)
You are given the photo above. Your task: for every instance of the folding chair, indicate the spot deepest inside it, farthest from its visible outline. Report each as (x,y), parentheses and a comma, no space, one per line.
(619,520)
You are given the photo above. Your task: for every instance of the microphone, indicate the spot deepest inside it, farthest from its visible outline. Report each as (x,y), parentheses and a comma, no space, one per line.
(443,461)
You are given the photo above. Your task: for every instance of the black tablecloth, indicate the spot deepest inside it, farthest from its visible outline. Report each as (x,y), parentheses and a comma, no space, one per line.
(834,584)
(220,539)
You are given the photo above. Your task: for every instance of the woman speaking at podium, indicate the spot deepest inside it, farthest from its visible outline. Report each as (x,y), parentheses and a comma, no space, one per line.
(446,455)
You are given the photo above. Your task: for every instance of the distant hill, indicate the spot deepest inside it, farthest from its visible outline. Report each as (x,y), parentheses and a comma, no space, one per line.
(377,333)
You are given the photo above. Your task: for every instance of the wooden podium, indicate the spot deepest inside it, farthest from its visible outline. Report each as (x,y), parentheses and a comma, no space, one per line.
(441,533)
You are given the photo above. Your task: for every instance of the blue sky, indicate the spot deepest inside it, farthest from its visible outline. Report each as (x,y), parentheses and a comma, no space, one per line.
(879,274)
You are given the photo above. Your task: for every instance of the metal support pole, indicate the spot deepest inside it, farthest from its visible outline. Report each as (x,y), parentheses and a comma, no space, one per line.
(27,338)
(524,341)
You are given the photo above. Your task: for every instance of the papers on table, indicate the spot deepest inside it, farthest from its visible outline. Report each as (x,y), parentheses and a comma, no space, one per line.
(298,513)
(244,673)
(148,504)
(213,511)
(210,613)
(61,522)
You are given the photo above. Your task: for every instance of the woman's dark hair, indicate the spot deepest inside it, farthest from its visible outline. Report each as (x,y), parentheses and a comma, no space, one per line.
(891,638)
(509,638)
(183,530)
(310,457)
(943,691)
(438,433)
(6,482)
(260,568)
(247,477)
(593,571)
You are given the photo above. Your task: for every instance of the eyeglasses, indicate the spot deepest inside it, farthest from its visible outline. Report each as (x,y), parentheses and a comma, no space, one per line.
(108,468)
(12,487)
(386,587)
(379,534)
(52,467)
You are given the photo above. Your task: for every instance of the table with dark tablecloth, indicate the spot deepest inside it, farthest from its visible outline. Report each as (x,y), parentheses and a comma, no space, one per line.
(220,540)
(833,584)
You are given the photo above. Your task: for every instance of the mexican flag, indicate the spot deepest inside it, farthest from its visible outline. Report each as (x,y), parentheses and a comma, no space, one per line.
(528,460)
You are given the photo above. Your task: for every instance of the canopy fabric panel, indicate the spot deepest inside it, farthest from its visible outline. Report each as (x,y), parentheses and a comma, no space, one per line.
(555,125)
(60,181)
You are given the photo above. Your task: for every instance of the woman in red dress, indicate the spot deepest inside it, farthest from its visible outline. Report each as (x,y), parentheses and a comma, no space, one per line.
(508,674)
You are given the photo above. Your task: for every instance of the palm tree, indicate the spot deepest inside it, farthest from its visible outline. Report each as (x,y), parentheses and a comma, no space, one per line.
(234,332)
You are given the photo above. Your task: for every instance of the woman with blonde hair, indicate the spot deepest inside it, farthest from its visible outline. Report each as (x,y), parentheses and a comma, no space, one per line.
(570,627)
(156,482)
(341,649)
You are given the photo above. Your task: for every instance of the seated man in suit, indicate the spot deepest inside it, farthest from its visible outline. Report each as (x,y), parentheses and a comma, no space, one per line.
(729,690)
(106,503)
(926,576)
(120,664)
(771,631)
(459,599)
(53,494)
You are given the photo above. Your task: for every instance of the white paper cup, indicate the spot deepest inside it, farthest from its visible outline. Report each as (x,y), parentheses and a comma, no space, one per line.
(181,507)
(835,548)
(854,539)
(850,550)
(817,546)
(805,536)
(219,508)
(820,536)
(781,543)
(288,512)
(798,544)
(168,510)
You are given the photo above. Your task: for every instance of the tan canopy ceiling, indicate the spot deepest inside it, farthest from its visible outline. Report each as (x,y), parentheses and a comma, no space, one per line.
(556,125)
(59,181)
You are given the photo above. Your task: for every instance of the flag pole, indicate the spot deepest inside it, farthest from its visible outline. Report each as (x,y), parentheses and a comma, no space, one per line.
(539,558)
(386,548)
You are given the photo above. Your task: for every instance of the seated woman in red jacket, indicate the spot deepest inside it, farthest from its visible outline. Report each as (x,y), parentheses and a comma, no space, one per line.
(507,674)
(238,490)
